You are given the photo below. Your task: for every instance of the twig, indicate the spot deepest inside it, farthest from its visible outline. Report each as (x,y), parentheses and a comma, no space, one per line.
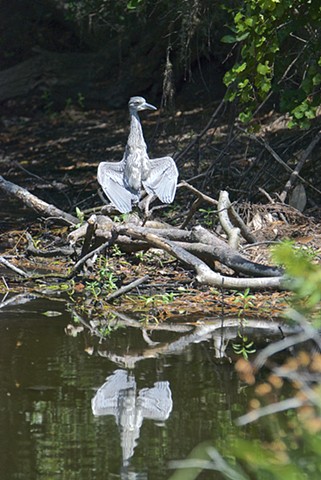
(295,173)
(201,134)
(280,161)
(236,219)
(197,192)
(126,288)
(91,224)
(54,252)
(308,333)
(232,232)
(14,268)
(96,251)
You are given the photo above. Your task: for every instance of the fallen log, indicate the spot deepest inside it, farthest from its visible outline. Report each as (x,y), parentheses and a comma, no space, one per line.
(33,202)
(204,274)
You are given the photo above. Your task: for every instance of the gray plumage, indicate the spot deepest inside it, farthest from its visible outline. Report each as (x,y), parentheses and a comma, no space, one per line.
(122,182)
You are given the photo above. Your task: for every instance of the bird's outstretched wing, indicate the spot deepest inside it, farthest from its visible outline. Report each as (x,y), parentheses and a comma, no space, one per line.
(162,179)
(110,177)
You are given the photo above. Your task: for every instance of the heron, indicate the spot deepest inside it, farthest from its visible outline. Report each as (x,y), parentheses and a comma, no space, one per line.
(123,182)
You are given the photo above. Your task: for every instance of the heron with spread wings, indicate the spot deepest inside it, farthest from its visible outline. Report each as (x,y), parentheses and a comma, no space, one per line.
(124,181)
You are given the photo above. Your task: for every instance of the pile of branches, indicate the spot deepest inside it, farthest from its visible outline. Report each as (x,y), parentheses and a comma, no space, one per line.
(197,249)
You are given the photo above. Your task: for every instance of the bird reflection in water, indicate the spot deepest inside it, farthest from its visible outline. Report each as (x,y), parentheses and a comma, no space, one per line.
(118,396)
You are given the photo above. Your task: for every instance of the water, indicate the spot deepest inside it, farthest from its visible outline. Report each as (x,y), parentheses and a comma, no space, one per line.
(142,418)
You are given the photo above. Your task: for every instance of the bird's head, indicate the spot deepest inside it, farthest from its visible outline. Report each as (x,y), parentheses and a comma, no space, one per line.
(136,104)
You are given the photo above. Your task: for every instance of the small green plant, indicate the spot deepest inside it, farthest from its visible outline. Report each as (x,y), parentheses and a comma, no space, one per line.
(140,255)
(158,299)
(107,329)
(133,4)
(106,275)
(168,297)
(244,300)
(121,218)
(209,215)
(46,97)
(148,300)
(94,289)
(68,103)
(116,251)
(67,287)
(81,217)
(80,100)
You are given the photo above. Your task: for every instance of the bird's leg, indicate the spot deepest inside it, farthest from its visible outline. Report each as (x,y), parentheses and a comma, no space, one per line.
(144,204)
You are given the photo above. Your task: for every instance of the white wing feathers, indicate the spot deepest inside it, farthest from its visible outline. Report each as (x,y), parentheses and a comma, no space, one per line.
(162,179)
(110,177)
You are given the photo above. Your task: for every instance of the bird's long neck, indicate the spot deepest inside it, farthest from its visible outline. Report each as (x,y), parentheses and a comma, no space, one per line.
(136,137)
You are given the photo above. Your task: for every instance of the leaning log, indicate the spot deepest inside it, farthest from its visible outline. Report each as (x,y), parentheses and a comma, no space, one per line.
(33,202)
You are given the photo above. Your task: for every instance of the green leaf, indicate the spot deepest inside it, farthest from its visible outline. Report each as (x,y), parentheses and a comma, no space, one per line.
(242,37)
(228,39)
(240,68)
(263,69)
(316,80)
(245,117)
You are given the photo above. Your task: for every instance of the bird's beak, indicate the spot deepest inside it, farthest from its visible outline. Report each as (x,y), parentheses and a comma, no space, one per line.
(148,106)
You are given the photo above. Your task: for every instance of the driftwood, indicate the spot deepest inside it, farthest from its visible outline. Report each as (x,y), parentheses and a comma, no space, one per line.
(224,204)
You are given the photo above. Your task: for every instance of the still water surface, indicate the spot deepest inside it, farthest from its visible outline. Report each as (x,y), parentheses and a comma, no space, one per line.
(69,413)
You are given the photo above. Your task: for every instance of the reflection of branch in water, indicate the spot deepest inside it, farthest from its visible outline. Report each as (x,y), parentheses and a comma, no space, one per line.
(118,396)
(220,332)
(18,299)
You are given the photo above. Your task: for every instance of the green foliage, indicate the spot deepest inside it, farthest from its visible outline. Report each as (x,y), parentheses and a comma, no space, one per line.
(303,276)
(279,52)
(186,29)
(48,103)
(133,4)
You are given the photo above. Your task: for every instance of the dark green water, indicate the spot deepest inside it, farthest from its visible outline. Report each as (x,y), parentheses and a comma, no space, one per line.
(148,415)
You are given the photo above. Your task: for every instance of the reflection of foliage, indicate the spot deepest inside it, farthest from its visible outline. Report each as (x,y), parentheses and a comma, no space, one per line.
(245,347)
